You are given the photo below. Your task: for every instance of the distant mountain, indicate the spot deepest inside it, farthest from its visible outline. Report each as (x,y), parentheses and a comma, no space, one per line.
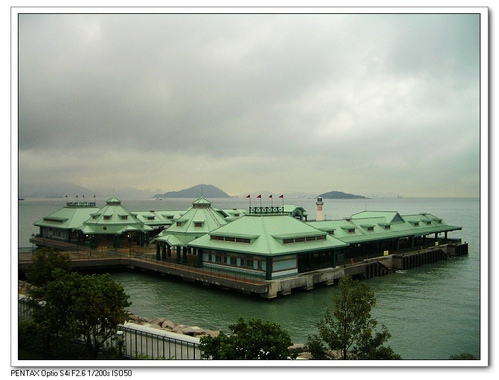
(340,195)
(53,190)
(61,189)
(207,191)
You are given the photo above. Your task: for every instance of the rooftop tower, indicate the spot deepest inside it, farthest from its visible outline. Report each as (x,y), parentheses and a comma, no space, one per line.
(319,204)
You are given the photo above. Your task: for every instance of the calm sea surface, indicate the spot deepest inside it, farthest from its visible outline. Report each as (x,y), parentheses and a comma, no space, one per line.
(432,312)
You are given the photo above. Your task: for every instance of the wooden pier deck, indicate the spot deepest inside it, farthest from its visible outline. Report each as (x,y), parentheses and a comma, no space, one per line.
(144,259)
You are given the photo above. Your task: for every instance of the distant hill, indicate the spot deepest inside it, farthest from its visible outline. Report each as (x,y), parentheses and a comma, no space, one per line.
(207,191)
(340,195)
(53,190)
(61,189)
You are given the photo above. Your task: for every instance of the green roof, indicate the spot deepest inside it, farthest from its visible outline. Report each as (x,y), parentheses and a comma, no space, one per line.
(114,218)
(380,225)
(267,236)
(157,218)
(71,216)
(201,202)
(198,220)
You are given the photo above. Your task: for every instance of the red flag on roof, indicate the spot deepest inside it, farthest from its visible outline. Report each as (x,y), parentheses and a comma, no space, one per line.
(248,196)
(281,196)
(270,196)
(259,196)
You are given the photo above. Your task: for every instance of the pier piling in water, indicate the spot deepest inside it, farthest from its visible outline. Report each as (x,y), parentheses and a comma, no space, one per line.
(367,268)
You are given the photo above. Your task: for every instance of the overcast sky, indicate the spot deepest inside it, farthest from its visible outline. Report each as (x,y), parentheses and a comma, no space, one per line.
(371,104)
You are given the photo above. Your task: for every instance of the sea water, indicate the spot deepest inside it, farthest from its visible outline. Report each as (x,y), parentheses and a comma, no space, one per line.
(432,312)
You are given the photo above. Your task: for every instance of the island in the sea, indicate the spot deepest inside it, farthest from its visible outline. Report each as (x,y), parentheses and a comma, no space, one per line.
(340,195)
(197,191)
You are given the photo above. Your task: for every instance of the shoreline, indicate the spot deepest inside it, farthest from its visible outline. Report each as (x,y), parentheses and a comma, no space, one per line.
(170,326)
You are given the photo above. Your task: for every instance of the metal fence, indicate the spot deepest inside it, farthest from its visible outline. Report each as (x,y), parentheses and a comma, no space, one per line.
(24,311)
(142,342)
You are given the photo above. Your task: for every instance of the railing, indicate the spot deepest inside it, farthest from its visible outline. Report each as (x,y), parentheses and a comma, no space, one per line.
(266,210)
(148,255)
(139,343)
(25,311)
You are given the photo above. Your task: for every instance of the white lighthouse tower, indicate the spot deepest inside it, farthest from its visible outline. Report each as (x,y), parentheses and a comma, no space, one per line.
(319,204)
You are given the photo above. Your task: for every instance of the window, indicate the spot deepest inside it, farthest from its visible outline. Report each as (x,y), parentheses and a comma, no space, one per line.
(303,239)
(233,261)
(179,224)
(249,263)
(387,227)
(198,224)
(107,217)
(124,217)
(52,220)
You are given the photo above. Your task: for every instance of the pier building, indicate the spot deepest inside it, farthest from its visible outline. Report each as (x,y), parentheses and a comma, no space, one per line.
(197,221)
(66,224)
(266,246)
(378,233)
(85,224)
(264,250)
(114,225)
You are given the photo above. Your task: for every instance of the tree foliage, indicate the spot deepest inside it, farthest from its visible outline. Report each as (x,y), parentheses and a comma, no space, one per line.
(249,340)
(82,306)
(45,261)
(348,328)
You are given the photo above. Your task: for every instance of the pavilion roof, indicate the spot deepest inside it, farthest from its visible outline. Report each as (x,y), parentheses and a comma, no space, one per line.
(381,225)
(198,220)
(268,235)
(69,217)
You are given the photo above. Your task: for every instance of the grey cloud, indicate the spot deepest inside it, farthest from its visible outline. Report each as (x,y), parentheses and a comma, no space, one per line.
(335,88)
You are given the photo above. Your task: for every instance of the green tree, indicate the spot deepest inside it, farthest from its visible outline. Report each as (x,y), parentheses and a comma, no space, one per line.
(45,261)
(348,327)
(82,306)
(249,340)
